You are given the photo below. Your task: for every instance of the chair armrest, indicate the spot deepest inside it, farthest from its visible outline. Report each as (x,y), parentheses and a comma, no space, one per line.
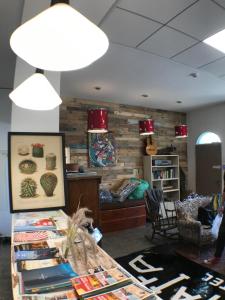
(190,222)
(190,230)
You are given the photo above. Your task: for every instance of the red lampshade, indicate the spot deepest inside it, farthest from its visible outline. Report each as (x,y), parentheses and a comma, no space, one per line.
(97,120)
(146,127)
(181,131)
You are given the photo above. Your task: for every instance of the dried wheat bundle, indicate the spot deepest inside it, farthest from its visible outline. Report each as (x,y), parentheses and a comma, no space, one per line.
(79,242)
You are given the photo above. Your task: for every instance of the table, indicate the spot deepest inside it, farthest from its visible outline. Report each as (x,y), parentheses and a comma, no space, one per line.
(60,218)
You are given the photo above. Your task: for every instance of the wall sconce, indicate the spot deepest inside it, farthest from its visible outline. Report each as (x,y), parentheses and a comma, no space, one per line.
(146,127)
(181,131)
(98,120)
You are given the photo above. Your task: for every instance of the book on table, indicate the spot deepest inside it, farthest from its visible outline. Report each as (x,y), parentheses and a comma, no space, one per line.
(100,282)
(31,246)
(44,253)
(34,224)
(64,295)
(47,279)
(30,236)
(132,291)
(38,264)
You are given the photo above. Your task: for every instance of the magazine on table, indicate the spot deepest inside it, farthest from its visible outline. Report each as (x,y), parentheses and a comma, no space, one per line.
(100,282)
(132,291)
(38,235)
(47,279)
(44,253)
(70,295)
(31,246)
(34,224)
(38,264)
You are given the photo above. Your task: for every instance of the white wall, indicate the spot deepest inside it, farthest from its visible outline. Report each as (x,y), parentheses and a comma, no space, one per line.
(205,119)
(24,120)
(5,120)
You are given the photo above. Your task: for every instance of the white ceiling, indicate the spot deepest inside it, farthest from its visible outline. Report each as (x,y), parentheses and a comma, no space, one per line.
(154,47)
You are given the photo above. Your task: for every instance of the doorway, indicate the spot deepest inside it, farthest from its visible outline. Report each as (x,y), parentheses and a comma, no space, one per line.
(208,164)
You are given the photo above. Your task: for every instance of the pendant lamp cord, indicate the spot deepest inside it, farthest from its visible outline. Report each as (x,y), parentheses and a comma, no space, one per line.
(53,2)
(39,71)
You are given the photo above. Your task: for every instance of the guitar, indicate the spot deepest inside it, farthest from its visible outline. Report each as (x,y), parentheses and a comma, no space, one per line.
(151,148)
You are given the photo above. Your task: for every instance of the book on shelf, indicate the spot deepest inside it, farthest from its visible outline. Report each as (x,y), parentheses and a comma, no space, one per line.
(100,282)
(168,187)
(37,254)
(34,224)
(47,279)
(132,291)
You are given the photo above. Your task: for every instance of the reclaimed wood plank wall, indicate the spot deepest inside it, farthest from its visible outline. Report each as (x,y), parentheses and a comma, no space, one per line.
(123,122)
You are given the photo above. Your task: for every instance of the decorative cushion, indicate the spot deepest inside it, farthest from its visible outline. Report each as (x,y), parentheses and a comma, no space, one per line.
(188,209)
(125,190)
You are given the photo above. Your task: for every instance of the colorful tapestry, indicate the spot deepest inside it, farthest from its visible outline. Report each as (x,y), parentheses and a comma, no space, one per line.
(102,151)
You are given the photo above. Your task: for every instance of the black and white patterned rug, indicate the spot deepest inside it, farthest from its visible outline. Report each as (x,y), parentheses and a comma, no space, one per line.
(172,276)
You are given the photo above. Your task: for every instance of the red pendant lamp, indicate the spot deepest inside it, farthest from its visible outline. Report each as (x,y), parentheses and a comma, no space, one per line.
(181,131)
(98,120)
(146,127)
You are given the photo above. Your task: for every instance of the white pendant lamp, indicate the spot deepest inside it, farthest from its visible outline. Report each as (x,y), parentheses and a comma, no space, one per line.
(59,39)
(36,93)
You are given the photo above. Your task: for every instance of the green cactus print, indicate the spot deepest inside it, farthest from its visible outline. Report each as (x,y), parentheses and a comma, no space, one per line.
(27,166)
(48,182)
(28,188)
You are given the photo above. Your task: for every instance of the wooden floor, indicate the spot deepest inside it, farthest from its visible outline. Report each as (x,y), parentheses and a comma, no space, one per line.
(199,255)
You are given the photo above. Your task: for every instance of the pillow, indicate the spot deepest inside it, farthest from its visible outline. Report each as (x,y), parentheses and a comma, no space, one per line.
(139,192)
(105,196)
(188,209)
(205,216)
(125,190)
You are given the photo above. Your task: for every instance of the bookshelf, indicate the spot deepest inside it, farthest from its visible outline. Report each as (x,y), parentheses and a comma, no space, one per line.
(162,172)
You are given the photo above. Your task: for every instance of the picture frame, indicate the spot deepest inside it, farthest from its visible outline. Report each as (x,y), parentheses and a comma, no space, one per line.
(36,164)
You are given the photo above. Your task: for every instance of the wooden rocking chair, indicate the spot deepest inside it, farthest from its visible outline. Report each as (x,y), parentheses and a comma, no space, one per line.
(161,214)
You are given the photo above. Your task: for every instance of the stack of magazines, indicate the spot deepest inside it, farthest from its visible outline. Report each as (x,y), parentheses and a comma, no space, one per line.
(45,274)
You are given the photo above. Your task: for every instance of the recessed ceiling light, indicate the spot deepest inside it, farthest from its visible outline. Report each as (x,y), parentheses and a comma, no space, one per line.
(179,101)
(217,41)
(194,74)
(97,88)
(145,95)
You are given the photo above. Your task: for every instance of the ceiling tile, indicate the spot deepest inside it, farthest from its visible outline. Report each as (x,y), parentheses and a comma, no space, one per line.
(159,10)
(220,2)
(217,68)
(198,55)
(127,28)
(167,42)
(94,10)
(201,20)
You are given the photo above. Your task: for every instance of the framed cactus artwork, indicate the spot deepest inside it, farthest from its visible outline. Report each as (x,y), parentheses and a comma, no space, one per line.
(36,171)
